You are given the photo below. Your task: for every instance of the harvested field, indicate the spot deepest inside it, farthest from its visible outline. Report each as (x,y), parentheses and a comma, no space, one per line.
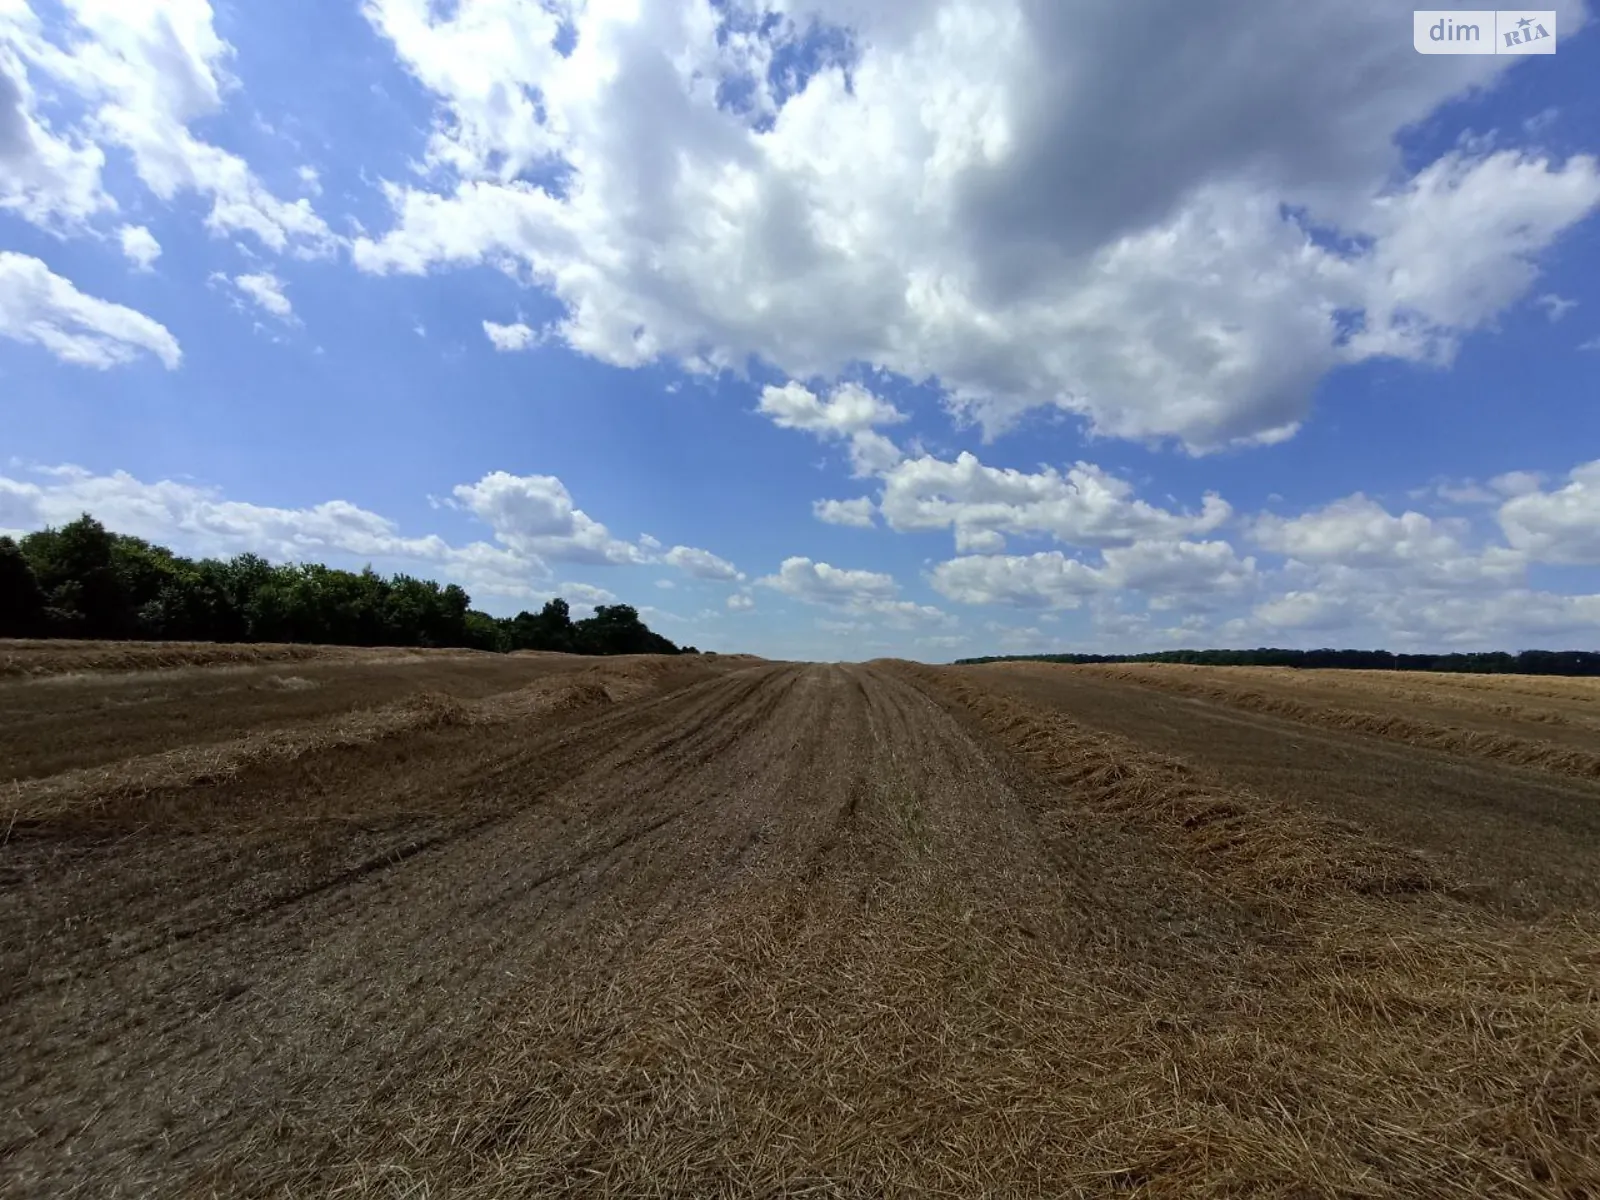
(41,659)
(1532,722)
(1527,839)
(730,927)
(53,722)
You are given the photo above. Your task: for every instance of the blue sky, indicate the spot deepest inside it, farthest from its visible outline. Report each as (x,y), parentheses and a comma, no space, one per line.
(843,329)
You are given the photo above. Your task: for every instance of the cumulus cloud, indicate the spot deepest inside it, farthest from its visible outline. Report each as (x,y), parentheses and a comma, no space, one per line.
(39,306)
(822,582)
(1555,306)
(1352,572)
(146,71)
(265,291)
(1356,569)
(1513,618)
(1357,535)
(864,593)
(534,514)
(741,602)
(850,413)
(1356,532)
(1192,571)
(50,179)
(702,564)
(507,338)
(856,513)
(947,198)
(1087,506)
(139,246)
(585,595)
(1560,526)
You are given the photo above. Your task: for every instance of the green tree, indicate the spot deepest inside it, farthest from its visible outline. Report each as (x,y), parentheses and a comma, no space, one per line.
(617,629)
(75,567)
(22,603)
(81,580)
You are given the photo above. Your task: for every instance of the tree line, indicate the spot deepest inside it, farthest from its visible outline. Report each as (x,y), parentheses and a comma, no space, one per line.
(1528,662)
(83,581)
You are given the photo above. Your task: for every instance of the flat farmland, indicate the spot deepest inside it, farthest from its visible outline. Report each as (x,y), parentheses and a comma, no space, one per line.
(1430,761)
(453,924)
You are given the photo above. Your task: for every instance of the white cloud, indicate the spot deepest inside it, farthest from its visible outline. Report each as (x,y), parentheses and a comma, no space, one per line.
(1592,344)
(741,602)
(1192,571)
(1354,573)
(1411,581)
(1457,246)
(41,307)
(857,513)
(1356,538)
(848,410)
(146,70)
(139,246)
(508,338)
(1511,619)
(702,564)
(535,515)
(265,290)
(906,614)
(50,179)
(585,595)
(866,594)
(949,200)
(850,413)
(1169,568)
(1086,506)
(1555,306)
(1560,526)
(1465,492)
(1356,532)
(1046,579)
(827,584)
(1517,483)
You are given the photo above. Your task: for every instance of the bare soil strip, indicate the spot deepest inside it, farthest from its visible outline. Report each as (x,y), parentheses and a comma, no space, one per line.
(849,931)
(1560,751)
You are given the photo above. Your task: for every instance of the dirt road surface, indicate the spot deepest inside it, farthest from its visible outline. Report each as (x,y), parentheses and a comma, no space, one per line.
(733,928)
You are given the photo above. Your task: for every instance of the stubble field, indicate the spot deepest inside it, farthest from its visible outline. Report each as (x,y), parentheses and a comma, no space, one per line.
(287,921)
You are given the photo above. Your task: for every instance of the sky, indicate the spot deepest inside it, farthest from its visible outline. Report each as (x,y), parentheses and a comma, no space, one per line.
(824,329)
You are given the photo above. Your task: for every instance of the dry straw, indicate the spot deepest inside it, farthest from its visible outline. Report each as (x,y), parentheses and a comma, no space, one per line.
(1502,747)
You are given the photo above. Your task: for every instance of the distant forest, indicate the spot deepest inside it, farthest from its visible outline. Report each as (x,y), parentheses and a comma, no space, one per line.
(82,581)
(1529,662)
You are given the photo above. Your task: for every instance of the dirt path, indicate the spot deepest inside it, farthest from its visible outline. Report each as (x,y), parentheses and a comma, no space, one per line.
(786,930)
